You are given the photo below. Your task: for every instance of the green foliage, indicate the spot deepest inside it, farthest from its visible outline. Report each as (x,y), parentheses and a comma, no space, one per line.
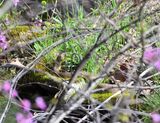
(151,104)
(40,46)
(74,50)
(11,113)
(1,2)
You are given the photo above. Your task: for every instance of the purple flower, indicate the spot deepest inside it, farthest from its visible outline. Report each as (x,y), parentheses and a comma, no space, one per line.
(40,103)
(6,86)
(155,117)
(26,104)
(19,117)
(157,65)
(3,42)
(151,55)
(24,118)
(15,2)
(14,93)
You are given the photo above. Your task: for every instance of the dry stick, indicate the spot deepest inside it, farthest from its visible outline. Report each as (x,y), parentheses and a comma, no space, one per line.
(23,45)
(77,103)
(30,66)
(141,37)
(114,95)
(106,87)
(93,84)
(135,112)
(156,74)
(39,39)
(145,72)
(75,74)
(55,79)
(106,101)
(4,8)
(107,67)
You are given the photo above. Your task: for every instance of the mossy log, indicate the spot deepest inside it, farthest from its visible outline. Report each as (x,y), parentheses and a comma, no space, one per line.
(24,33)
(35,84)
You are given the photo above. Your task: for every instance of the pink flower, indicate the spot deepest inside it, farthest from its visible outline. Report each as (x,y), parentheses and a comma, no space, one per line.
(26,104)
(3,42)
(151,55)
(157,65)
(15,2)
(6,86)
(19,117)
(14,93)
(40,103)
(155,117)
(22,118)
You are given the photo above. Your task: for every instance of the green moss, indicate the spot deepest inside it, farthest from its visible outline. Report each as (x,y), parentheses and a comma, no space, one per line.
(37,77)
(101,96)
(26,33)
(10,117)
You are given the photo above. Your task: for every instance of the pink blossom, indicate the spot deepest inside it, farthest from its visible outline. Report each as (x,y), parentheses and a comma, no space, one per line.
(157,65)
(15,2)
(26,104)
(3,41)
(24,118)
(151,55)
(40,103)
(155,117)
(14,93)
(6,86)
(19,117)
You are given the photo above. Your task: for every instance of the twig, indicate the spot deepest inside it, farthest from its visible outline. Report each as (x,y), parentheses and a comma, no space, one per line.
(103,103)
(107,87)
